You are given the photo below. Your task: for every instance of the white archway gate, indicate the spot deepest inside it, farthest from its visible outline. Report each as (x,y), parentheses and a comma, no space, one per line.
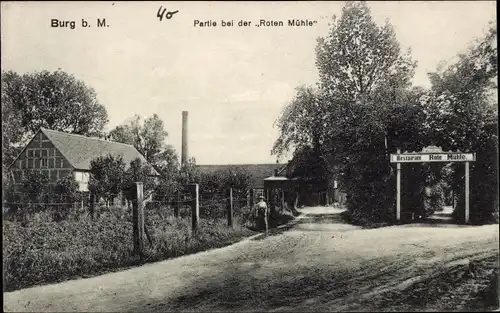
(431,154)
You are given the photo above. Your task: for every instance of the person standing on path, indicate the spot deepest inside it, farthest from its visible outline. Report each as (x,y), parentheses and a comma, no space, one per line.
(262,213)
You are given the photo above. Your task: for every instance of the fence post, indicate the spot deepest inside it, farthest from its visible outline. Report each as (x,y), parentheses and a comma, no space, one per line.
(178,205)
(195,205)
(398,189)
(230,208)
(296,203)
(466,192)
(138,219)
(282,200)
(252,197)
(92,205)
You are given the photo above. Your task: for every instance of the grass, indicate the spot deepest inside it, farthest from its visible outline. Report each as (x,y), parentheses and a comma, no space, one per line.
(39,251)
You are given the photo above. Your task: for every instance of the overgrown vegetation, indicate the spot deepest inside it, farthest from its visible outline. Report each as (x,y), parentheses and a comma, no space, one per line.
(46,244)
(42,251)
(366,108)
(35,193)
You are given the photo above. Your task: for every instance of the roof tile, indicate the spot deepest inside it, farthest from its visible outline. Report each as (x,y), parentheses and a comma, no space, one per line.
(80,150)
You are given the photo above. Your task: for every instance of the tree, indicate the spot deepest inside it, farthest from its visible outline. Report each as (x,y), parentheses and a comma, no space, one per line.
(237,178)
(215,186)
(35,185)
(301,122)
(364,80)
(54,100)
(461,114)
(175,178)
(302,125)
(30,194)
(107,176)
(358,56)
(68,189)
(11,132)
(188,173)
(138,171)
(65,194)
(310,167)
(149,139)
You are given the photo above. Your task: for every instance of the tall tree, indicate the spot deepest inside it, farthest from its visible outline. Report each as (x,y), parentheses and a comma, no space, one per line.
(302,127)
(149,139)
(364,79)
(358,56)
(461,113)
(54,100)
(301,122)
(11,132)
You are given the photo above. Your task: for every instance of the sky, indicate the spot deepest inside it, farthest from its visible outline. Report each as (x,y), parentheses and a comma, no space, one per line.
(233,81)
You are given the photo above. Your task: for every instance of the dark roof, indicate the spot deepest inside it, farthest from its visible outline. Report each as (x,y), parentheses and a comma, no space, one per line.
(258,171)
(285,169)
(80,150)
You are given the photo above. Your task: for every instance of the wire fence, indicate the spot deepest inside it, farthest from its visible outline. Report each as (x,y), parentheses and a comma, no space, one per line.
(212,204)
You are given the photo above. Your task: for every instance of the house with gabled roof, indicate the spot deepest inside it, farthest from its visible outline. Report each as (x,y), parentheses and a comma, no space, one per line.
(60,154)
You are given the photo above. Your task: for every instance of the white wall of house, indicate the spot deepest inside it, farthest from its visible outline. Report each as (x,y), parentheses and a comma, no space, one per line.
(82,178)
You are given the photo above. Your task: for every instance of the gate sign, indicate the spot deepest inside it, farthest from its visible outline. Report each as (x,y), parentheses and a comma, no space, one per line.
(432,157)
(431,154)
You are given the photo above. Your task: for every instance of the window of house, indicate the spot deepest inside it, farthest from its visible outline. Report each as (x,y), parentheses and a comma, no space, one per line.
(44,163)
(29,153)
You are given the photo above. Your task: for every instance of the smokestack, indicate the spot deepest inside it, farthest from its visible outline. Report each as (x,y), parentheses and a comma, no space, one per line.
(184,152)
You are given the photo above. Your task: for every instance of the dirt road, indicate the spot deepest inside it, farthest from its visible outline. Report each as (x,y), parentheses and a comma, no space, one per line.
(321,264)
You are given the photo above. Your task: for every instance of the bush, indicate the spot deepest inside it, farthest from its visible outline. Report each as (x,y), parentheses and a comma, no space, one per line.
(35,191)
(41,251)
(45,252)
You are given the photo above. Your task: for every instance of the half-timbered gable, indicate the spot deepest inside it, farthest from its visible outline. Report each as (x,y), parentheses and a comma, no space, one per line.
(60,154)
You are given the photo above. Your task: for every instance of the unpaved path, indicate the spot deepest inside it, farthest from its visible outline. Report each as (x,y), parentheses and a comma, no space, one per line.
(321,264)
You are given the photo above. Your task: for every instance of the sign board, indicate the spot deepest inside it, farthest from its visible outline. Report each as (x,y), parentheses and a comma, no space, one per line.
(431,154)
(432,157)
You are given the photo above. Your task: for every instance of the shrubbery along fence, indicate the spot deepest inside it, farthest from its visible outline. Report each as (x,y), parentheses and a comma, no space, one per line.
(138,208)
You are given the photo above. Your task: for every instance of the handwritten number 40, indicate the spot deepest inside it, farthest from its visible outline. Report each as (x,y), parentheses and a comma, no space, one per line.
(161,13)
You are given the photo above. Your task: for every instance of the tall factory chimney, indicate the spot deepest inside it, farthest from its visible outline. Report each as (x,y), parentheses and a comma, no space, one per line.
(184,152)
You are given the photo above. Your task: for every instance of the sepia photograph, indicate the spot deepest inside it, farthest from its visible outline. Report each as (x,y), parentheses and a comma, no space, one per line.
(250,156)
